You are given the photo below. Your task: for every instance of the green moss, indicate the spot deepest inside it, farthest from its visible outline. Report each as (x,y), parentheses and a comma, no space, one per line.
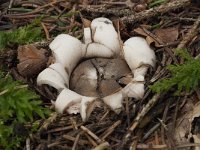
(184,77)
(22,35)
(156,3)
(18,105)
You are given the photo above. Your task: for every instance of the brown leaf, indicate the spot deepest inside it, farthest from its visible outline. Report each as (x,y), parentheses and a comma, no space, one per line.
(140,7)
(149,39)
(86,22)
(91,106)
(185,124)
(31,60)
(140,31)
(121,29)
(167,35)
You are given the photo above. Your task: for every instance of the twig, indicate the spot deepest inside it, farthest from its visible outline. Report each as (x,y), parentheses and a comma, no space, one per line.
(102,146)
(76,142)
(53,144)
(37,10)
(188,145)
(91,140)
(104,116)
(91,134)
(133,145)
(169,136)
(144,146)
(46,31)
(21,17)
(60,129)
(155,11)
(190,35)
(175,116)
(110,129)
(153,129)
(74,124)
(10,4)
(127,111)
(70,138)
(48,121)
(28,146)
(140,116)
(164,120)
(105,10)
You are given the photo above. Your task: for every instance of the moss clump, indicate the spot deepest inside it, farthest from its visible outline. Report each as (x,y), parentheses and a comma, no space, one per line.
(22,35)
(18,106)
(184,77)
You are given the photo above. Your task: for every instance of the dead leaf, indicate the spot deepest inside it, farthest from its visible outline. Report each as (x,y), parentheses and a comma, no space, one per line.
(86,23)
(140,7)
(121,29)
(185,124)
(149,39)
(167,35)
(31,60)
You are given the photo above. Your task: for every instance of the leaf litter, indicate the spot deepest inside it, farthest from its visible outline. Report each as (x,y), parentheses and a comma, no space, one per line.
(156,129)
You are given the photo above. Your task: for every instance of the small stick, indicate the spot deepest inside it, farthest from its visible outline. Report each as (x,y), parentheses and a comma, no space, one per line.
(156,137)
(60,129)
(140,116)
(127,111)
(110,129)
(153,129)
(53,144)
(190,35)
(76,142)
(10,4)
(48,138)
(133,145)
(102,146)
(21,17)
(91,140)
(74,124)
(48,121)
(104,116)
(46,31)
(104,10)
(175,116)
(91,134)
(70,138)
(169,136)
(155,11)
(164,119)
(28,146)
(145,146)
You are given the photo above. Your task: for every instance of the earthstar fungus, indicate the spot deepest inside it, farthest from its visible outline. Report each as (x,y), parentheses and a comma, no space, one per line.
(100,41)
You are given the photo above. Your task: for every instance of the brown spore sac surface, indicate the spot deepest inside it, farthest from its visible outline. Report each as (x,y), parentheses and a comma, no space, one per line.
(99,76)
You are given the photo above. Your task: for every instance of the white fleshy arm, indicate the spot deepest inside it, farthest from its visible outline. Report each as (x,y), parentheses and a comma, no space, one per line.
(66,50)
(138,56)
(73,103)
(52,78)
(114,101)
